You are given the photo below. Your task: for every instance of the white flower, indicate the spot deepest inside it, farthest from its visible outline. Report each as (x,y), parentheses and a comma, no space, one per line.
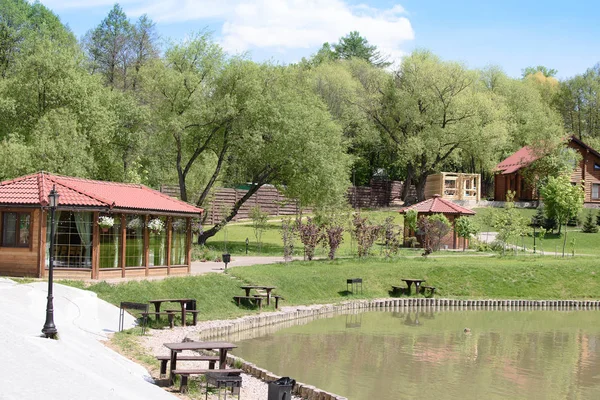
(106,222)
(135,223)
(156,225)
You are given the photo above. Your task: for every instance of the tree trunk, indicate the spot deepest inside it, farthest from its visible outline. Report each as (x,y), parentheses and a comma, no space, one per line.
(564,243)
(420,187)
(407,184)
(202,238)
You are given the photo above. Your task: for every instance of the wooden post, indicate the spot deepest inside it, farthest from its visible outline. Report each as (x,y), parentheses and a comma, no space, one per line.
(146,245)
(169,234)
(123,243)
(188,243)
(95,246)
(41,244)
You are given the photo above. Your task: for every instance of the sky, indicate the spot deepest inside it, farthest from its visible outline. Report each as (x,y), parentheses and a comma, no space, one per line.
(508,33)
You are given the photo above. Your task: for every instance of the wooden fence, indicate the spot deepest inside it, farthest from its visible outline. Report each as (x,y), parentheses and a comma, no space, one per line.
(381,193)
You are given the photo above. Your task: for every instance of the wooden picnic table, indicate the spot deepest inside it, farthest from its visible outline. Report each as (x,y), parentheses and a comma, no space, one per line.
(248,288)
(182,302)
(417,283)
(177,348)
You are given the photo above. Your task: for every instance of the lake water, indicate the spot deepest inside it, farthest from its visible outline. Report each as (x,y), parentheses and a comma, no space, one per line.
(427,355)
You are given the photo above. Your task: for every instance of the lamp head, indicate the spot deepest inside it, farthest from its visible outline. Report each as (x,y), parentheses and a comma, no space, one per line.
(53,197)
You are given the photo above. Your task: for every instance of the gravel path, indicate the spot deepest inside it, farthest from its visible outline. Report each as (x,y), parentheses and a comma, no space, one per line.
(252,388)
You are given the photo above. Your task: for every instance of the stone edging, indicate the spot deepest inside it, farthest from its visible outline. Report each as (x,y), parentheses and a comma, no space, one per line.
(289,314)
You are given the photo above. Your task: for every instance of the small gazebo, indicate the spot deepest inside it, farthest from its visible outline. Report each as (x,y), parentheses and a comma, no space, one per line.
(102,229)
(438,205)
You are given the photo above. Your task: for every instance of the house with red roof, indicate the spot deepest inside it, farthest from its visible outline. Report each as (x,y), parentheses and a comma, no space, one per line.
(509,173)
(439,205)
(102,229)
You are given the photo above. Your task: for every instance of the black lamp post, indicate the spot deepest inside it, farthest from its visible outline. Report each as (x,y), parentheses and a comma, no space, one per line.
(49,328)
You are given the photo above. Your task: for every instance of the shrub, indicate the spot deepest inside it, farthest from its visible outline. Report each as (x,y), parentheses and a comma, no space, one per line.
(335,236)
(310,235)
(589,226)
(434,228)
(412,242)
(391,234)
(365,234)
(465,228)
(288,236)
(259,224)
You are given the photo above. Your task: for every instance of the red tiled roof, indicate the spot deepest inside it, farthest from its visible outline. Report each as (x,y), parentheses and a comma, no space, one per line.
(518,160)
(438,205)
(79,192)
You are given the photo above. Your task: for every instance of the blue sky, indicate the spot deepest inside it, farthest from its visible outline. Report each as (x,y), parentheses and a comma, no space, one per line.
(511,34)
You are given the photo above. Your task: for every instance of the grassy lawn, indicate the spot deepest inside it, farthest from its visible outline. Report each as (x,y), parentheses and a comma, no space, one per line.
(585,243)
(317,282)
(236,234)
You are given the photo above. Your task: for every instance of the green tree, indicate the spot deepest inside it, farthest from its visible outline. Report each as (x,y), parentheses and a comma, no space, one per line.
(509,222)
(465,228)
(562,201)
(589,226)
(429,110)
(353,45)
(547,72)
(259,224)
(434,227)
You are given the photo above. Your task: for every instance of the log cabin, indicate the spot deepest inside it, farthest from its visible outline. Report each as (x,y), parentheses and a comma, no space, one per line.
(150,233)
(509,173)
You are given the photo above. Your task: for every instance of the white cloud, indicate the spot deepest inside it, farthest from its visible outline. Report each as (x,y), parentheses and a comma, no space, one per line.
(276,25)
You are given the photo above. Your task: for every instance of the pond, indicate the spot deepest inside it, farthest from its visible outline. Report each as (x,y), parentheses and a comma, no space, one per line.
(404,353)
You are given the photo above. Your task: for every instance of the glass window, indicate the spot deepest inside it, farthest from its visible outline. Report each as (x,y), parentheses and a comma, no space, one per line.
(596,167)
(595,191)
(110,244)
(134,246)
(72,239)
(157,252)
(16,229)
(179,241)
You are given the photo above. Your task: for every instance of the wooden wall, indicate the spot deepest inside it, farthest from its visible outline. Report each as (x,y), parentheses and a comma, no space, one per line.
(22,261)
(435,185)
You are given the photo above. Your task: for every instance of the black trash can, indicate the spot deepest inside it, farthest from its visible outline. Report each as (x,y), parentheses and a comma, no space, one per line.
(281,389)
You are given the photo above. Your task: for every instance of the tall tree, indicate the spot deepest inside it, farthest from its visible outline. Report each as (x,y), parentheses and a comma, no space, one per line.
(353,45)
(108,48)
(545,71)
(430,110)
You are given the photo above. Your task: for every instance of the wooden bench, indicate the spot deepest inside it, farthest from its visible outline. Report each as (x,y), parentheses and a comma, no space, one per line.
(164,360)
(170,315)
(399,289)
(273,296)
(193,312)
(257,300)
(186,373)
(430,288)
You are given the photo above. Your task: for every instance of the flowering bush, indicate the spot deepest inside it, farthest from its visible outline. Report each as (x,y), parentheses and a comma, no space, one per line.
(106,222)
(156,225)
(135,223)
(197,228)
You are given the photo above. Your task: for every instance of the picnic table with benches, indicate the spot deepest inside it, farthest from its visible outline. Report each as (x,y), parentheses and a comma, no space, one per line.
(263,292)
(418,286)
(187,306)
(177,348)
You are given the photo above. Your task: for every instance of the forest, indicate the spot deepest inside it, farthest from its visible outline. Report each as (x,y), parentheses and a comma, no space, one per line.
(123,104)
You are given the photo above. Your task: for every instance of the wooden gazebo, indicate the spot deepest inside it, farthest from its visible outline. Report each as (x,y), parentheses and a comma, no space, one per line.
(438,205)
(148,233)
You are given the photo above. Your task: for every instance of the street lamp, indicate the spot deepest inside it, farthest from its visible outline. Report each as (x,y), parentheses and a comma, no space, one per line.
(49,328)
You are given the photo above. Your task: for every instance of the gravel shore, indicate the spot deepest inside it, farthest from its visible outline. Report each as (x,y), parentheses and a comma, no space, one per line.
(252,388)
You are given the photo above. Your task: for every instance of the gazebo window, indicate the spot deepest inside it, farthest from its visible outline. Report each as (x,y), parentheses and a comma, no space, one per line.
(134,248)
(16,229)
(110,244)
(178,241)
(157,251)
(72,241)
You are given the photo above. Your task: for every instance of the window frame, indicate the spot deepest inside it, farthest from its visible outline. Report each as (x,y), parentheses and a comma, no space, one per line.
(596,166)
(17,245)
(592,192)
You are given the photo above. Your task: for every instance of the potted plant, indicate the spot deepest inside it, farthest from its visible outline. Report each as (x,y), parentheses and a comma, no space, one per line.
(135,224)
(156,225)
(105,222)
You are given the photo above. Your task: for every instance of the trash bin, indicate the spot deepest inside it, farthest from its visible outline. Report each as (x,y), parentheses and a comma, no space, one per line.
(281,389)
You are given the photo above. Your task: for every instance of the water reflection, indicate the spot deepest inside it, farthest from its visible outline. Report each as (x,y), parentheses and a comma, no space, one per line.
(380,355)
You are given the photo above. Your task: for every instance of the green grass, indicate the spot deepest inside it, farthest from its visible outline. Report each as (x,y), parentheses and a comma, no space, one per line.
(233,238)
(317,282)
(585,243)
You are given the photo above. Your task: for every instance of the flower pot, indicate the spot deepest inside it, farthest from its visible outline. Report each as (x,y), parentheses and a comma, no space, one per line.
(104,230)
